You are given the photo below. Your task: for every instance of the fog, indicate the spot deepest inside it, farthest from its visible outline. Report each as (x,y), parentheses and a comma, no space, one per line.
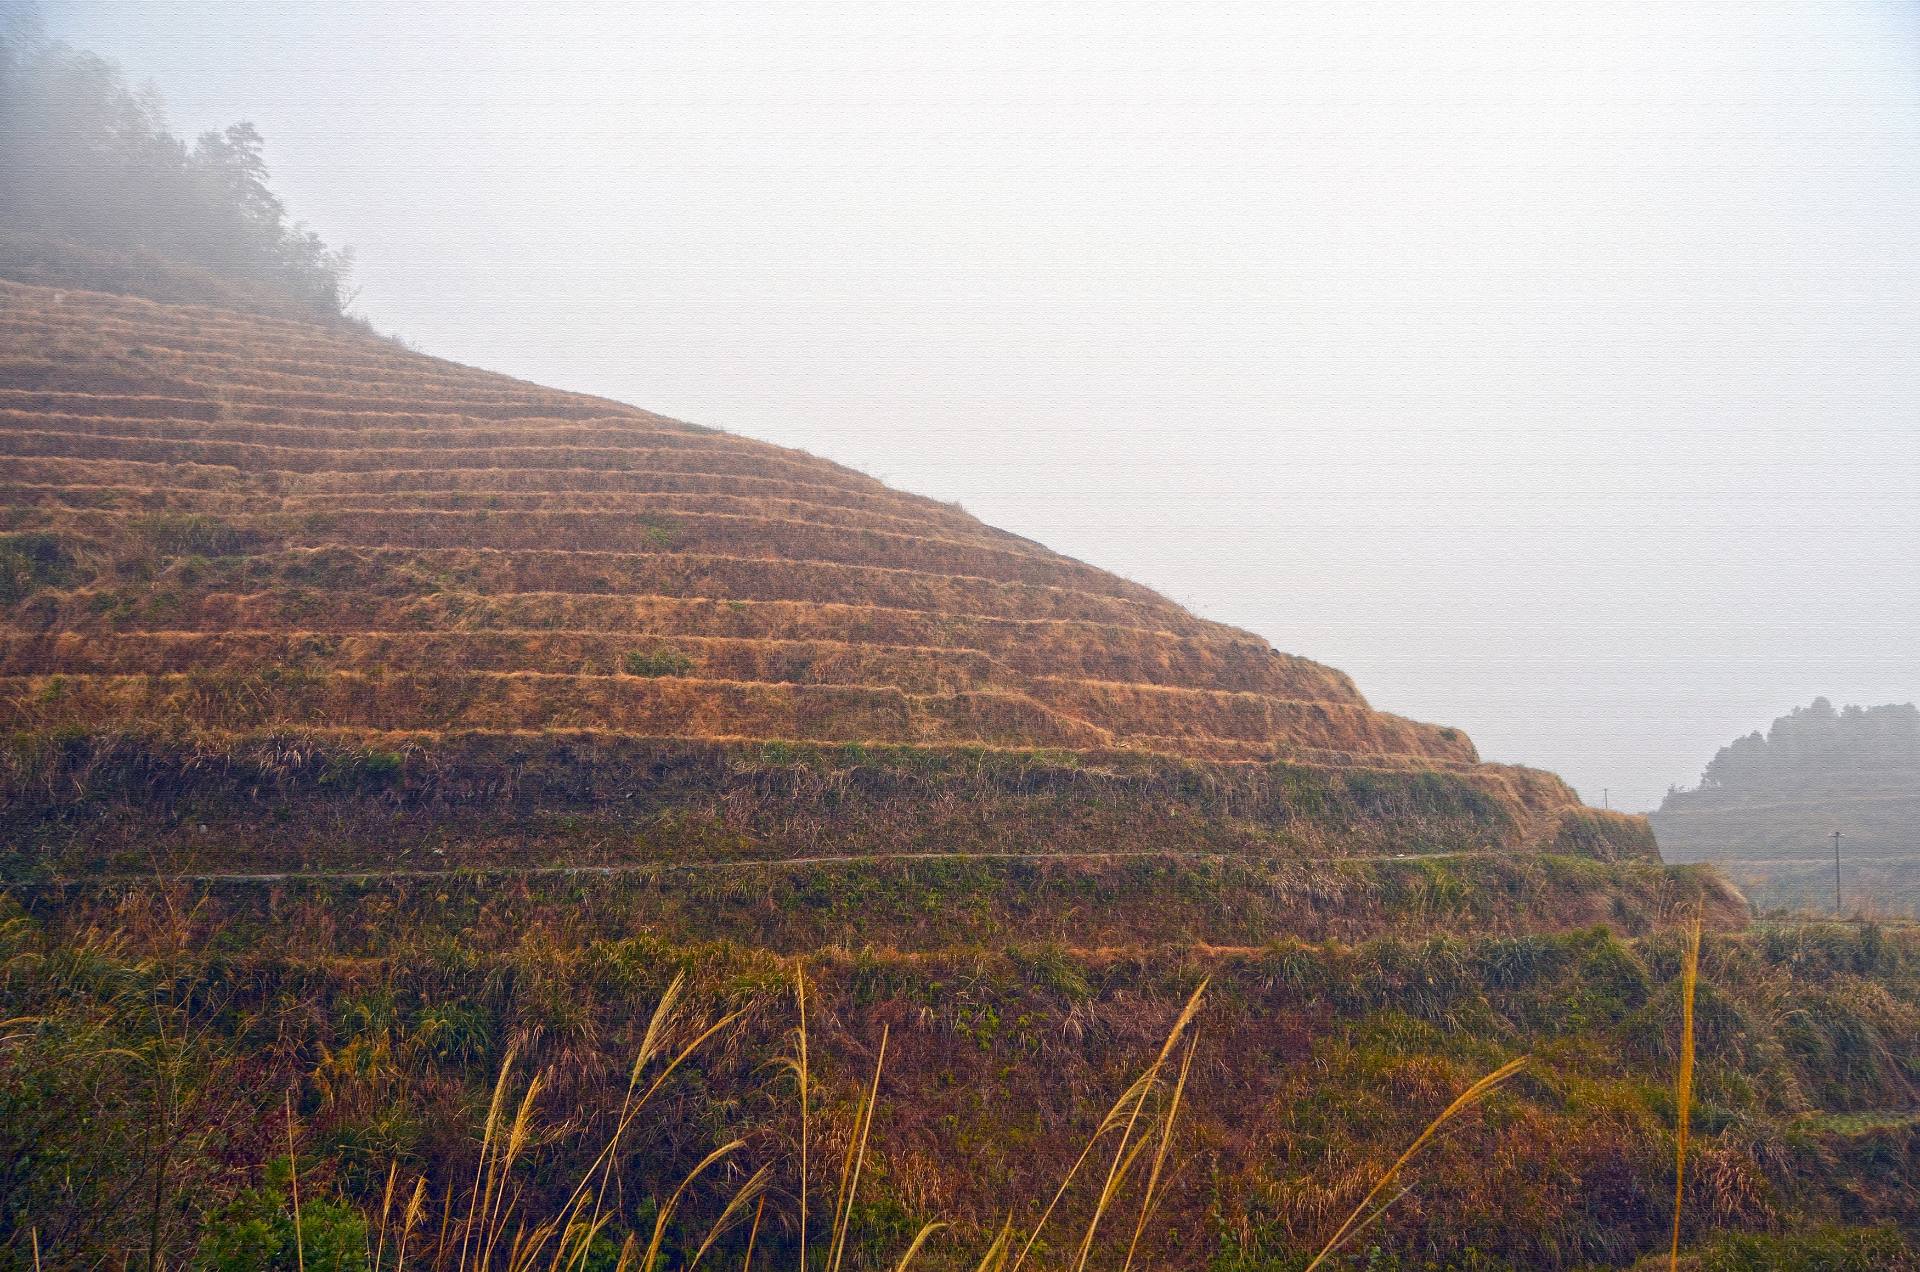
(1549,368)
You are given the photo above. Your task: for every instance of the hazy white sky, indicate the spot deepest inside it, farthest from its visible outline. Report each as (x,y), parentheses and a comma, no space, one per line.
(1549,367)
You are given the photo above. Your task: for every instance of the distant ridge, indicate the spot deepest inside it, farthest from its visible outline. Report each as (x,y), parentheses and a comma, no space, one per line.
(1767,805)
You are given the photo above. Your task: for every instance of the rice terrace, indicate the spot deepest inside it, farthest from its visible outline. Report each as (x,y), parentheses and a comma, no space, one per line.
(458,824)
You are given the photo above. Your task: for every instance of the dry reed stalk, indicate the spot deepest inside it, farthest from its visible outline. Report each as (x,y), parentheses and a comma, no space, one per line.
(1125,1154)
(920,1239)
(1683,1080)
(386,1205)
(801,1072)
(673,1203)
(293,1168)
(856,1159)
(576,1240)
(753,1234)
(754,1187)
(440,1241)
(658,1026)
(486,1144)
(1123,1114)
(411,1219)
(1149,1198)
(519,1135)
(653,1042)
(994,1259)
(1461,1103)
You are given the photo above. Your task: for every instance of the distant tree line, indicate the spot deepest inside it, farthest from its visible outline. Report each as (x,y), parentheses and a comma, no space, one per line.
(85,160)
(1814,744)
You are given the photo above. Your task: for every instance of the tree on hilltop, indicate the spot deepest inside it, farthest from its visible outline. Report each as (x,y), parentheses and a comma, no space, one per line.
(86,160)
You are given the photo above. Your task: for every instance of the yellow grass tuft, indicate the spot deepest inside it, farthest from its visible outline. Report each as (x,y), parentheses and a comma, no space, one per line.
(1683,1079)
(1124,1118)
(1461,1103)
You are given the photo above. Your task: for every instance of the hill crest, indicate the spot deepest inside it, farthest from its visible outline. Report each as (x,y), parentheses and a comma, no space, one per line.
(269,451)
(281,596)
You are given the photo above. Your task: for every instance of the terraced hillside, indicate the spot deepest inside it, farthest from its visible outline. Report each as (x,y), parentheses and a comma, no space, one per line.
(281,596)
(517,558)
(381,735)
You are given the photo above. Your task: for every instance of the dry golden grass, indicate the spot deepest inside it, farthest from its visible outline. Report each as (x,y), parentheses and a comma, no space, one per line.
(690,705)
(1683,1077)
(208,421)
(235,492)
(107,408)
(1042,645)
(913,669)
(1364,1213)
(257,457)
(1209,713)
(227,503)
(476,553)
(482,1227)
(666,707)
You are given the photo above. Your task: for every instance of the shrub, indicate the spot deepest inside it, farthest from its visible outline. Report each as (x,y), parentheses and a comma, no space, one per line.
(658,662)
(31,560)
(193,535)
(366,772)
(256,1232)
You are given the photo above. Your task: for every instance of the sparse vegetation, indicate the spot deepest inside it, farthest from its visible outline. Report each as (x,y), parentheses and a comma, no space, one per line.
(658,662)
(30,561)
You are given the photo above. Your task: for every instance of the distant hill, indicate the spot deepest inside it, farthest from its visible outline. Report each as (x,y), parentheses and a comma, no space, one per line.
(1767,805)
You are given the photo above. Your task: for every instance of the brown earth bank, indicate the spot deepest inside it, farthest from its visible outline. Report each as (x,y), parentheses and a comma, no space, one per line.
(787,845)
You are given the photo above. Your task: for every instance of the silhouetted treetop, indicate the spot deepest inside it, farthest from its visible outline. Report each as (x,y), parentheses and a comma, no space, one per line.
(1815,744)
(87,161)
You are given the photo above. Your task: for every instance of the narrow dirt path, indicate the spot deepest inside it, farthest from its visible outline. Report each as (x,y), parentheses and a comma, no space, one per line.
(708,866)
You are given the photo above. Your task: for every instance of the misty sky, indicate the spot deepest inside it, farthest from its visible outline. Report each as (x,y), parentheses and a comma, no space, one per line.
(1550,368)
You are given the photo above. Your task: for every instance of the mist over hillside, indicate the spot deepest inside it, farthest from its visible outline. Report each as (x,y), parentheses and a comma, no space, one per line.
(1767,806)
(99,193)
(1812,745)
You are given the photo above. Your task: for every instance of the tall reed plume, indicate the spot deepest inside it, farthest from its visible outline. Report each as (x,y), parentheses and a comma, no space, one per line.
(1461,1103)
(1683,1080)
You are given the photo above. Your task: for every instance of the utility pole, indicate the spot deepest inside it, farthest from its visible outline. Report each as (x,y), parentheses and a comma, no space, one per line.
(1836,873)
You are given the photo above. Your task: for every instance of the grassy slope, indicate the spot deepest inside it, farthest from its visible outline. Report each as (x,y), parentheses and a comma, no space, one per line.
(1314,1065)
(787,846)
(433,548)
(285,599)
